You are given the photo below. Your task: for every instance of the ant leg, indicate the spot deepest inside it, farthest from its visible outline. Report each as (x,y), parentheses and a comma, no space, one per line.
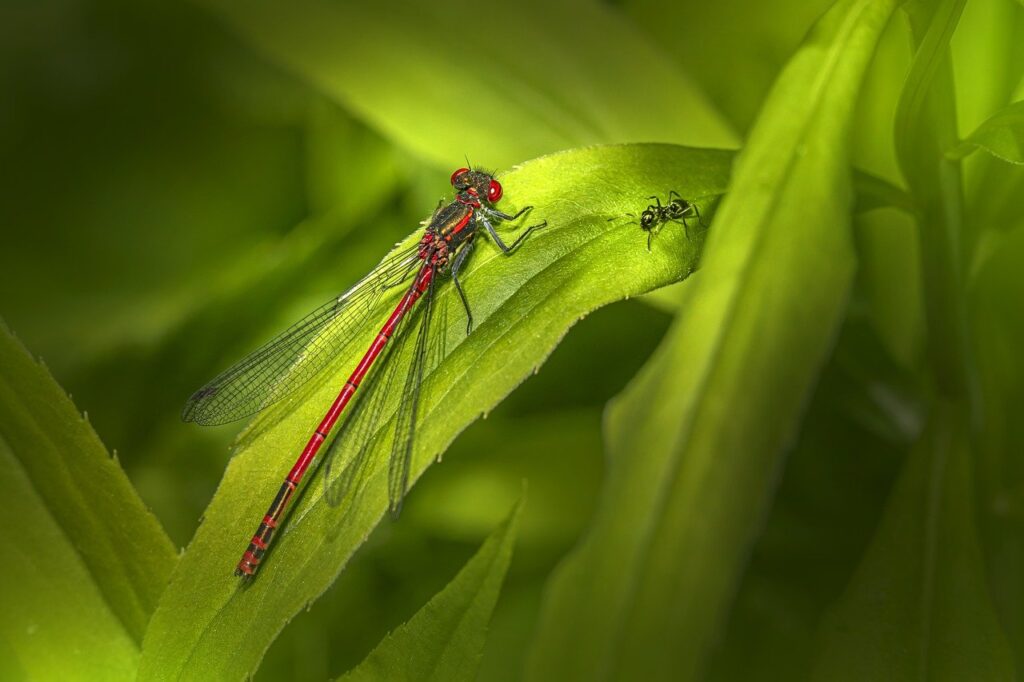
(460,258)
(700,220)
(686,227)
(656,199)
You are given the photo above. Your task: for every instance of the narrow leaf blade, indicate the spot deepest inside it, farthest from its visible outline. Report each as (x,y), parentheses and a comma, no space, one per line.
(403,73)
(1002,136)
(75,527)
(918,607)
(696,442)
(56,622)
(445,639)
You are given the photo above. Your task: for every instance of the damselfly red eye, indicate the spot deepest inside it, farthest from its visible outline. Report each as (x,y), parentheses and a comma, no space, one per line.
(458,174)
(494,191)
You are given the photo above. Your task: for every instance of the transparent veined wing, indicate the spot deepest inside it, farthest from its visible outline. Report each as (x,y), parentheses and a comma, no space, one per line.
(363,428)
(299,353)
(346,458)
(407,417)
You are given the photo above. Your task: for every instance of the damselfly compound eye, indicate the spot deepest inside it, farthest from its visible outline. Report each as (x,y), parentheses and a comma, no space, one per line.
(494,191)
(458,174)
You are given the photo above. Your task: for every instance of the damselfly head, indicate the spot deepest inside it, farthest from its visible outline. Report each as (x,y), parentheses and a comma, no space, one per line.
(480,184)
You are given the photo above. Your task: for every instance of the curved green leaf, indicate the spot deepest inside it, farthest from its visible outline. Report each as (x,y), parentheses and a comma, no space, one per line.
(996,299)
(824,511)
(56,621)
(207,624)
(925,128)
(445,639)
(988,64)
(918,607)
(733,48)
(425,76)
(343,154)
(696,441)
(874,193)
(84,561)
(1002,136)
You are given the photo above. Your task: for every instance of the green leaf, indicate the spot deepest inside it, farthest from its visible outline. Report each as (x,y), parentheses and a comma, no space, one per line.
(84,562)
(874,193)
(925,127)
(118,240)
(825,511)
(343,155)
(988,61)
(890,281)
(996,298)
(734,49)
(1002,136)
(918,607)
(445,639)
(207,624)
(430,82)
(484,470)
(55,620)
(696,441)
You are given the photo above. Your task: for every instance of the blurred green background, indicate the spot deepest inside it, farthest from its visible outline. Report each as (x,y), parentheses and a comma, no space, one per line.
(171,195)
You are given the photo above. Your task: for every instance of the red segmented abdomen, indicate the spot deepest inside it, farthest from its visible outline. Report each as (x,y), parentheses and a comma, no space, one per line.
(260,542)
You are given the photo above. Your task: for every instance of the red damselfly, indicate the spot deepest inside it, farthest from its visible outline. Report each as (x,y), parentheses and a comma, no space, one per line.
(292,358)
(656,215)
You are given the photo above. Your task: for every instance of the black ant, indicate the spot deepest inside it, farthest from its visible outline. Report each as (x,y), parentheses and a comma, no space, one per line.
(657,214)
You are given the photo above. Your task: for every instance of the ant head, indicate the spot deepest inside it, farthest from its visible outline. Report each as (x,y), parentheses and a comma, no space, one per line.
(478,183)
(647,219)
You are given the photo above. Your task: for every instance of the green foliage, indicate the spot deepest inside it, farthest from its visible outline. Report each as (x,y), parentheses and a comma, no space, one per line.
(918,601)
(580,262)
(518,99)
(813,444)
(445,639)
(706,423)
(1002,136)
(82,556)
